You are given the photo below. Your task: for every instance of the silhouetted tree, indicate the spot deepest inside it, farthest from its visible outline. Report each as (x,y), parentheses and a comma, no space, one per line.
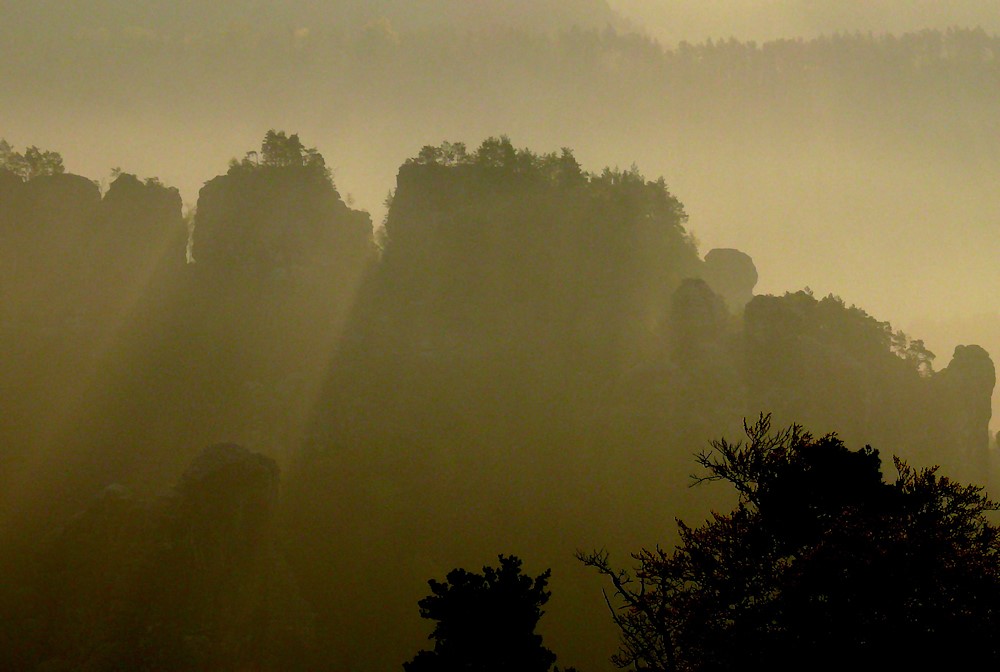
(485,622)
(32,163)
(496,152)
(279,149)
(820,561)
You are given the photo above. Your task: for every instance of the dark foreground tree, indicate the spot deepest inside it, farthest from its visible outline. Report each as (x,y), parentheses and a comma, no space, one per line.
(485,622)
(821,565)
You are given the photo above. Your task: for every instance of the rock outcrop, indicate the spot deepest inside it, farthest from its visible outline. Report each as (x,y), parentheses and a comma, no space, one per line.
(964,410)
(192,581)
(732,275)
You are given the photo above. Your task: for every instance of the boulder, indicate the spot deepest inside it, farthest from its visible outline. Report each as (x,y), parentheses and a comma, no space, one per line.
(732,275)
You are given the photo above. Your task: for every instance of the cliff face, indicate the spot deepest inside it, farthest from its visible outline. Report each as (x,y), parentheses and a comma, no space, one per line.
(72,261)
(75,272)
(279,258)
(138,230)
(46,225)
(266,223)
(520,253)
(964,390)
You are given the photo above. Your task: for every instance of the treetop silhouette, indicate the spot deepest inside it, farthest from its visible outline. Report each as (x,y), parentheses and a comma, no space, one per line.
(821,561)
(31,163)
(485,622)
(279,150)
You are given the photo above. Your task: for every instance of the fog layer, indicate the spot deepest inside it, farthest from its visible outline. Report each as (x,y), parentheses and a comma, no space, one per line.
(390,340)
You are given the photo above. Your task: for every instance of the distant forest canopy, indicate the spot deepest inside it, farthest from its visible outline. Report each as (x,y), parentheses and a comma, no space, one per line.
(525,358)
(182,21)
(360,56)
(896,78)
(670,22)
(769,19)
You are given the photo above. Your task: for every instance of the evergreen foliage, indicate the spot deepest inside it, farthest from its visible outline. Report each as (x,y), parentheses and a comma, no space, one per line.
(485,622)
(31,163)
